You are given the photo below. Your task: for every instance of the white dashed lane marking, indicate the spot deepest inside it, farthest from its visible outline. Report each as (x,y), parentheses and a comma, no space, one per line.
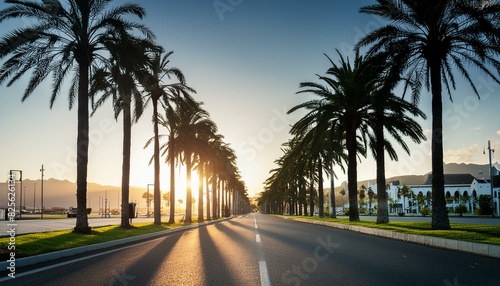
(264,274)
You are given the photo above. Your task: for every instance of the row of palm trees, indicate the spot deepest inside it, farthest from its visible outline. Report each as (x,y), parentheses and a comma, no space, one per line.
(193,140)
(356,104)
(91,42)
(422,45)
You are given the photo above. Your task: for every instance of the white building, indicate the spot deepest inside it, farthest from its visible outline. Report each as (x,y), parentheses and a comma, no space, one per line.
(459,189)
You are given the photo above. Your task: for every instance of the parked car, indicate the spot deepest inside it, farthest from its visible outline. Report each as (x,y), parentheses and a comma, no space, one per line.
(72,212)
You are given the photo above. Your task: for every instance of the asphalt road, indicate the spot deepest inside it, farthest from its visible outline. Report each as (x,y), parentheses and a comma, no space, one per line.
(39,225)
(257,249)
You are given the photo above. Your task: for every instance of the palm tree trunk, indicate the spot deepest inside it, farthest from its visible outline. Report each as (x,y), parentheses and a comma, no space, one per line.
(200,192)
(82,141)
(382,209)
(127,138)
(157,196)
(320,189)
(303,201)
(333,212)
(440,218)
(207,194)
(214,195)
(352,176)
(171,157)
(221,198)
(311,189)
(189,194)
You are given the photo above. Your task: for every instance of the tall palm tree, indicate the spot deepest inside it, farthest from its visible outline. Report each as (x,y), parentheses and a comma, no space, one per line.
(194,126)
(428,40)
(389,113)
(157,89)
(64,39)
(346,99)
(316,135)
(205,134)
(119,79)
(225,169)
(171,122)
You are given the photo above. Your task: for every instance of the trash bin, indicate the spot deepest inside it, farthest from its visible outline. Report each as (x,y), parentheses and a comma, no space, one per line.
(131,210)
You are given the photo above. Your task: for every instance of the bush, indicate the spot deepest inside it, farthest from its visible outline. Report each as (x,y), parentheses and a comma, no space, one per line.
(346,212)
(425,211)
(484,202)
(460,209)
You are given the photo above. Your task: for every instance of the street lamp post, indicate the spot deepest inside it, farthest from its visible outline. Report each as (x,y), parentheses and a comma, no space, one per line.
(41,170)
(147,199)
(493,208)
(20,192)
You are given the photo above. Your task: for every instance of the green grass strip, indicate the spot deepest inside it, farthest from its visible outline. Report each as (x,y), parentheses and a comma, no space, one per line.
(489,234)
(45,242)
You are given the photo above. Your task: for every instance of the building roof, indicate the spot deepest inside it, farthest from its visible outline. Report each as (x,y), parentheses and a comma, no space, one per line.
(453,179)
(496,166)
(482,181)
(395,183)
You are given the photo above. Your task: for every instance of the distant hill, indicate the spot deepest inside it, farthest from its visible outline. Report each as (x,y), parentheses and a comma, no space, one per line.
(473,169)
(62,193)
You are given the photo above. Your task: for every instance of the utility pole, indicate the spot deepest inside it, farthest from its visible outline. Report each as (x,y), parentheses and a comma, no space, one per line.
(41,170)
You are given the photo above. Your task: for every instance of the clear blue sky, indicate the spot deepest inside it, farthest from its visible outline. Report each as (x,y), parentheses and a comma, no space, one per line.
(246,59)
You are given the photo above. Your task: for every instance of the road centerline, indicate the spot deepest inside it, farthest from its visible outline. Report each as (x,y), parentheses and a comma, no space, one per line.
(264,274)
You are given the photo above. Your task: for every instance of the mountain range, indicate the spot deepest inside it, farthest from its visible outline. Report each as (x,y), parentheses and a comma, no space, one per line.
(62,194)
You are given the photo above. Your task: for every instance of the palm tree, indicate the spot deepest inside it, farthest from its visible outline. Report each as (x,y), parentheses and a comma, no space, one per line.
(194,126)
(425,39)
(159,70)
(206,133)
(62,36)
(118,79)
(371,193)
(389,113)
(225,169)
(346,99)
(404,192)
(318,137)
(170,121)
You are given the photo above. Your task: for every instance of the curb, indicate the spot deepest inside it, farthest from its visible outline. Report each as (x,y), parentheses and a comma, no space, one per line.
(26,261)
(482,249)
